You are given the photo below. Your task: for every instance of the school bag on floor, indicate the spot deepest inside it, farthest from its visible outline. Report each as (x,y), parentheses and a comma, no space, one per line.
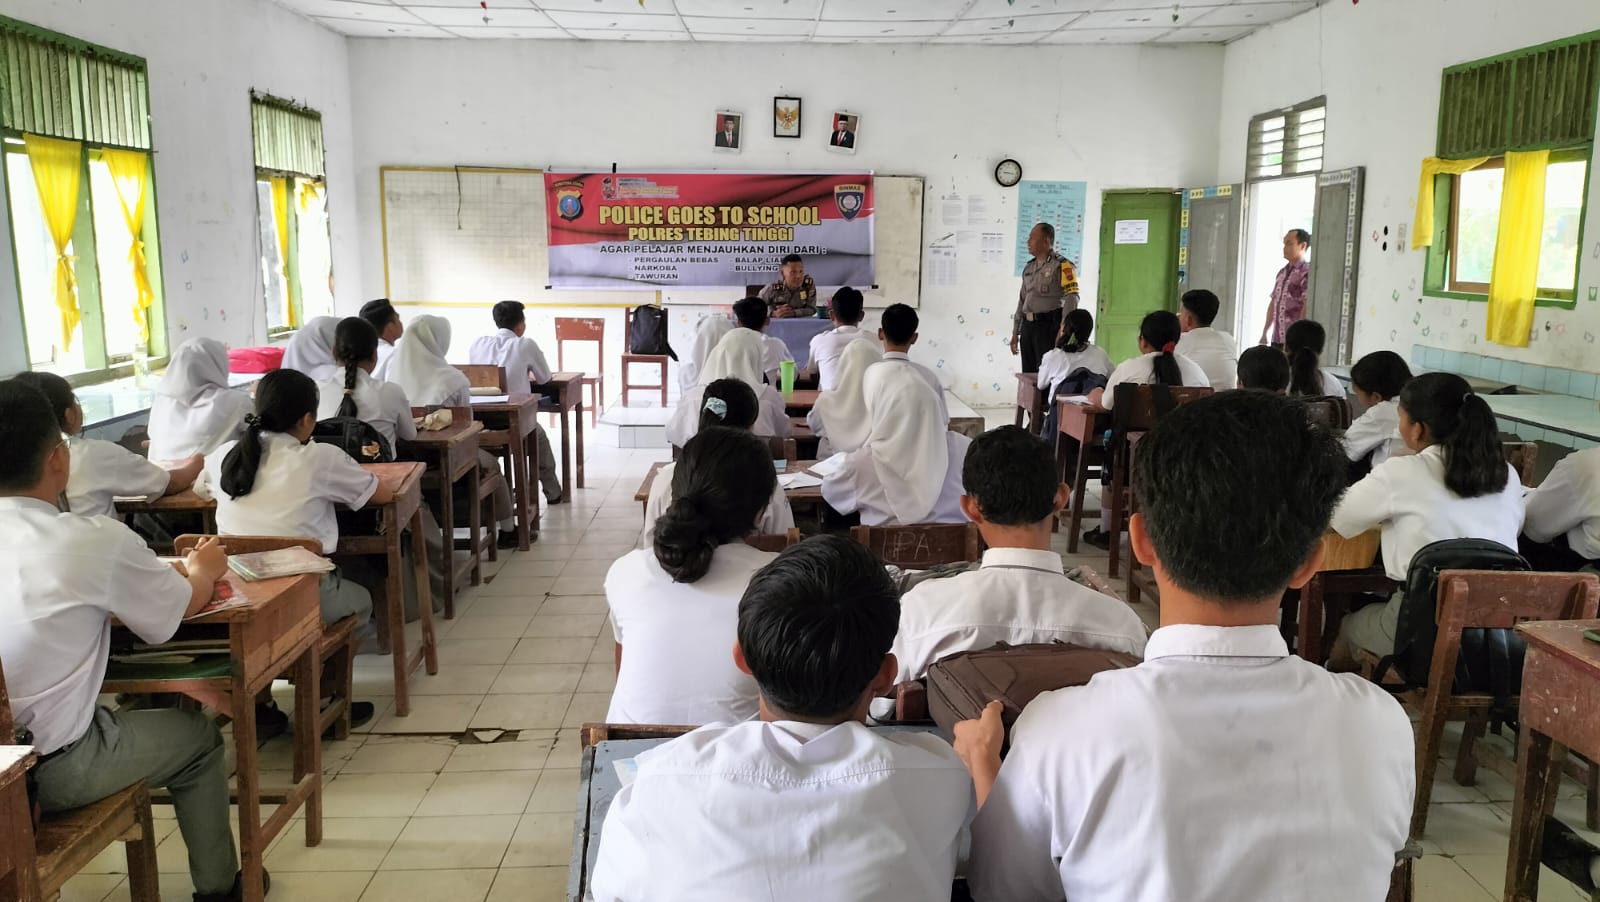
(960,685)
(648,332)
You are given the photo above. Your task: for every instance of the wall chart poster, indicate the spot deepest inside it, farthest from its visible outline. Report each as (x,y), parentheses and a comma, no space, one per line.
(648,230)
(1059,203)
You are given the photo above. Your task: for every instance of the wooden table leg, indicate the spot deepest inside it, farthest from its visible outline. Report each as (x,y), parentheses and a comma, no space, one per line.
(394,607)
(448,514)
(518,474)
(308,737)
(1538,777)
(580,439)
(247,772)
(566,455)
(531,463)
(1309,643)
(419,564)
(475,521)
(20,878)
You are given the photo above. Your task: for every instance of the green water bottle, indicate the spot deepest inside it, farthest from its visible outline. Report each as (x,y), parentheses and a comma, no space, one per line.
(786,376)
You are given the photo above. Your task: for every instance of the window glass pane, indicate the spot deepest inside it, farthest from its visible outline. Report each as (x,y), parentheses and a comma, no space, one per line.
(1563,211)
(271,260)
(112,244)
(1476,224)
(316,256)
(36,259)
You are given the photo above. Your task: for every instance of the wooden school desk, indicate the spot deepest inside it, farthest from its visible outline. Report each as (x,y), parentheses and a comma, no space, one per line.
(811,494)
(799,402)
(1030,401)
(17,879)
(184,502)
(274,634)
(1086,425)
(451,454)
(1347,569)
(517,415)
(1559,712)
(567,389)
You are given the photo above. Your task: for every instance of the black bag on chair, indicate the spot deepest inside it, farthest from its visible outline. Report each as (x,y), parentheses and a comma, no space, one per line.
(356,438)
(648,333)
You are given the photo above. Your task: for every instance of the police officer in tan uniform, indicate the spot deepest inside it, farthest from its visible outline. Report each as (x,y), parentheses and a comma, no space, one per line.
(794,294)
(1049,287)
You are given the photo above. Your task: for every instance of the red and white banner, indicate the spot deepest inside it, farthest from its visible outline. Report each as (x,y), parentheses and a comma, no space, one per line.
(649,230)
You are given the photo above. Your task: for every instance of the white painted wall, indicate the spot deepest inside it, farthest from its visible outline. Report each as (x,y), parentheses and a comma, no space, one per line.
(204,57)
(1115,117)
(1379,64)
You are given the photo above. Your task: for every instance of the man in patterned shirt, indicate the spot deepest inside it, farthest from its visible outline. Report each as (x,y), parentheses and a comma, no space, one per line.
(1049,287)
(1289,291)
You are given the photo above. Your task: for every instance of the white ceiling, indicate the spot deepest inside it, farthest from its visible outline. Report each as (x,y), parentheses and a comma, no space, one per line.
(814,21)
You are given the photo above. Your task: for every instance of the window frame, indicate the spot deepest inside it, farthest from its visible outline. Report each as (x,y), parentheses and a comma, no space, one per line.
(1552,296)
(291,255)
(1252,141)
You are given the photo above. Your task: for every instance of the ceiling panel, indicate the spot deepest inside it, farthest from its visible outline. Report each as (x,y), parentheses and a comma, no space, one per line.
(886,29)
(760,9)
(492,31)
(600,6)
(1253,15)
(508,17)
(618,34)
(844,10)
(1102,36)
(1013,25)
(363,28)
(699,25)
(601,21)
(1126,18)
(354,9)
(1200,34)
(1000,9)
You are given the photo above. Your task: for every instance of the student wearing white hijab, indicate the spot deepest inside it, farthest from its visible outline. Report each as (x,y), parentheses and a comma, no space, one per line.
(909,470)
(739,355)
(707,333)
(839,418)
(195,409)
(310,350)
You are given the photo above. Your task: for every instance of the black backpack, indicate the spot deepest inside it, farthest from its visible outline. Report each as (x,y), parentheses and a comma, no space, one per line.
(648,333)
(355,437)
(1080,381)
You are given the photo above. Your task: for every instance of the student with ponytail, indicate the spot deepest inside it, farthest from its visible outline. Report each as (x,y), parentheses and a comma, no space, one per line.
(1073,352)
(353,392)
(1158,363)
(1457,485)
(675,606)
(1303,344)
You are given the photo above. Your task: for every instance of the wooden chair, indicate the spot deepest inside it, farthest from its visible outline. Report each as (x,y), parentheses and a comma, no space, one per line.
(585,328)
(1347,569)
(771,542)
(1030,401)
(629,359)
(1524,458)
(336,650)
(66,841)
(1133,413)
(484,376)
(1332,412)
(922,545)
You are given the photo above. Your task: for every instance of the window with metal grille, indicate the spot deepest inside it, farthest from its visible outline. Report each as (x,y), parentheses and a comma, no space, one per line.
(1287,141)
(291,207)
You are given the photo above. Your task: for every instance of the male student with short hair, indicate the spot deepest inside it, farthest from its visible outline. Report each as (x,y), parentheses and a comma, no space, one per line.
(806,802)
(752,314)
(1222,767)
(63,576)
(386,322)
(510,348)
(845,310)
(898,332)
(1019,594)
(1214,350)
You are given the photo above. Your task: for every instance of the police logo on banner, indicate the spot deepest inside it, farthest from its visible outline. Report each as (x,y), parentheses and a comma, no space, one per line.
(849,199)
(569,199)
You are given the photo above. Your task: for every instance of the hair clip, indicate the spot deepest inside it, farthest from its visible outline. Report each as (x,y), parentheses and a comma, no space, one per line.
(252,420)
(1169,347)
(717,406)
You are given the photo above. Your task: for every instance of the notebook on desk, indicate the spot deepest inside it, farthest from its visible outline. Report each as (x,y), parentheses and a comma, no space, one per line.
(281,562)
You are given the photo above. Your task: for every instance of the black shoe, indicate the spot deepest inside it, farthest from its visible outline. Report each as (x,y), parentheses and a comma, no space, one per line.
(507,539)
(555,499)
(236,893)
(270,722)
(360,713)
(1097,538)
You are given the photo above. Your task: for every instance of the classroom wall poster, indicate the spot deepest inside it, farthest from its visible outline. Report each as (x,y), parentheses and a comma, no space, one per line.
(1059,203)
(648,230)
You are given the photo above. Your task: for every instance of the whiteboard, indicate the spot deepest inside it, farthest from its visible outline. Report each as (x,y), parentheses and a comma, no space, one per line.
(470,236)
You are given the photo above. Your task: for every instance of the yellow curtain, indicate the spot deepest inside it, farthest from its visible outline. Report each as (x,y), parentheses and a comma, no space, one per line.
(307,193)
(57,170)
(1422,229)
(130,173)
(280,216)
(1515,283)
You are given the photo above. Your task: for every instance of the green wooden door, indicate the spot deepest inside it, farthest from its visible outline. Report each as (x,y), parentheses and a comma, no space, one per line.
(1138,265)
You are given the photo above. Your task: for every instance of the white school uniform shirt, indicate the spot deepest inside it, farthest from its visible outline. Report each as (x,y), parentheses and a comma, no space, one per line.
(295,492)
(381,404)
(826,348)
(927,374)
(195,409)
(1221,768)
(776,520)
(1216,353)
(773,353)
(1568,502)
(102,471)
(738,355)
(1407,497)
(772,417)
(1018,595)
(677,639)
(385,354)
(519,356)
(856,487)
(1141,371)
(62,578)
(1375,432)
(1057,364)
(788,812)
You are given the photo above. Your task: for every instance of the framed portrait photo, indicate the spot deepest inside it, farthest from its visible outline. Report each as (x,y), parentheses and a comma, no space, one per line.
(785,117)
(730,132)
(845,133)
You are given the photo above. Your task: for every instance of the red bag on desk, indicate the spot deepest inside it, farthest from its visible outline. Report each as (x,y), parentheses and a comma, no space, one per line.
(960,685)
(254,360)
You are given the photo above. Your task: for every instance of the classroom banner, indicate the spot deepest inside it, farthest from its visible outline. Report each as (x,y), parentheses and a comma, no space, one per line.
(648,230)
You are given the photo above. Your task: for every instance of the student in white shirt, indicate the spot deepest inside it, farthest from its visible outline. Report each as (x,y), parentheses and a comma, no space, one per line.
(1562,531)
(1222,767)
(898,332)
(1073,352)
(1264,368)
(66,576)
(1303,345)
(752,314)
(909,470)
(386,321)
(1377,380)
(1456,486)
(1020,593)
(195,409)
(355,393)
(707,332)
(731,403)
(805,803)
(845,310)
(839,418)
(1158,363)
(674,605)
(525,366)
(1215,351)
(739,356)
(104,471)
(310,349)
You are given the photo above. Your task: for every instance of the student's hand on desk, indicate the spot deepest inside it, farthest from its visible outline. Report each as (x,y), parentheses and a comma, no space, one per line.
(208,560)
(978,743)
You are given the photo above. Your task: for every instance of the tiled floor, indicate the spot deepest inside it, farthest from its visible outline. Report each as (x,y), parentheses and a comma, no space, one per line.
(427,808)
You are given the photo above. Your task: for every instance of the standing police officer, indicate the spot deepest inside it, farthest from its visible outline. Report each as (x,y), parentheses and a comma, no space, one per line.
(1049,287)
